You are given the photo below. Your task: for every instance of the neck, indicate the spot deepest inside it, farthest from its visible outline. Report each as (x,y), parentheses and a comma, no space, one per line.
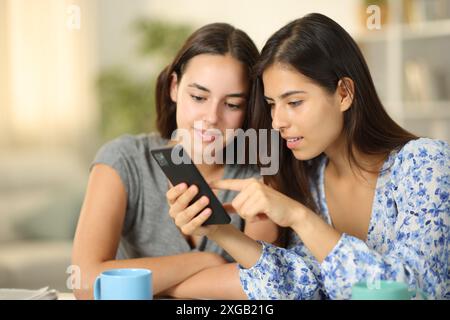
(338,161)
(342,166)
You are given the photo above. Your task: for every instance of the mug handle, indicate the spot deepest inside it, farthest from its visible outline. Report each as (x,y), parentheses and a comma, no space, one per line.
(97,295)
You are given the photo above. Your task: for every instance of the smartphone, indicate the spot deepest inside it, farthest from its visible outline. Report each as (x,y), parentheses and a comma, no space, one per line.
(178,168)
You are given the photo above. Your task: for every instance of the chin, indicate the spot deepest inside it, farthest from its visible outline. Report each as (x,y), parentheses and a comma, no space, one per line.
(304,155)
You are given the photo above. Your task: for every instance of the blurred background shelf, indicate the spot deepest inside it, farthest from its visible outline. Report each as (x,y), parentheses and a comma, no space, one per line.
(429,29)
(410,62)
(432,110)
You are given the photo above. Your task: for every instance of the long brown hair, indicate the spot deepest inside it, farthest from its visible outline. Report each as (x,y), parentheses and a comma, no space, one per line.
(323,51)
(215,38)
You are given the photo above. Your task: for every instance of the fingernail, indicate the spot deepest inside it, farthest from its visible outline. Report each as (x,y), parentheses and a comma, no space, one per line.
(206,212)
(204,200)
(182,186)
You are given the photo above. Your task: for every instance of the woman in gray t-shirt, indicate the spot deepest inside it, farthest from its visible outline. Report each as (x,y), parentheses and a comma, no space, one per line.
(124,222)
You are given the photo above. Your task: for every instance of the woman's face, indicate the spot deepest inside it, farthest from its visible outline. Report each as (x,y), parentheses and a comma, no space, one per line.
(309,119)
(211,97)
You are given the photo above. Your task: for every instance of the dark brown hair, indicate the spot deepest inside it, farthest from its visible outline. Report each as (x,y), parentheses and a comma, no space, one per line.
(215,38)
(319,48)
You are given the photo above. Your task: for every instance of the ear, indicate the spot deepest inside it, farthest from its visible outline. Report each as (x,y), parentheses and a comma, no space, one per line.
(345,91)
(173,86)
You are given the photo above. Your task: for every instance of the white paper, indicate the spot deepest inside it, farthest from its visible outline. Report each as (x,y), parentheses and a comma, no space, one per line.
(24,294)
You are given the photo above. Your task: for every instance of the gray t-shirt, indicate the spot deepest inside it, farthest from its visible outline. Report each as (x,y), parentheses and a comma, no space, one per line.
(148,230)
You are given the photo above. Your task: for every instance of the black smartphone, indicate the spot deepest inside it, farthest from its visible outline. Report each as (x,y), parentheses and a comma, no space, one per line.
(178,168)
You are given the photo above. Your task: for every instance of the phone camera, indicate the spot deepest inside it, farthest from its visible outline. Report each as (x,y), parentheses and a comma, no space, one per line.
(161,160)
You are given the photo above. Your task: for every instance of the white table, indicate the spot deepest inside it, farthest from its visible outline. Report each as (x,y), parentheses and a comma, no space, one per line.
(66,296)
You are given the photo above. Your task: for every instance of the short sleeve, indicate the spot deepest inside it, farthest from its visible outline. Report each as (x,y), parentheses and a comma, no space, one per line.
(121,155)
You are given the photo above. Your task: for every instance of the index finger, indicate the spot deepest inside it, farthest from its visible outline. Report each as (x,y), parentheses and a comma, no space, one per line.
(175,192)
(230,184)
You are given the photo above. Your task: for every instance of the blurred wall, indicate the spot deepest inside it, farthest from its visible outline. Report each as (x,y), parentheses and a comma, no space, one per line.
(4,75)
(258,18)
(48,98)
(115,42)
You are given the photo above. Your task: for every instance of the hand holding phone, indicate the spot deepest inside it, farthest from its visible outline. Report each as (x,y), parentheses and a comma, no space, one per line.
(185,171)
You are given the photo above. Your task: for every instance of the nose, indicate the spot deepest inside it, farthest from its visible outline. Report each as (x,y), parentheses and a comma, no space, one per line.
(279,119)
(212,113)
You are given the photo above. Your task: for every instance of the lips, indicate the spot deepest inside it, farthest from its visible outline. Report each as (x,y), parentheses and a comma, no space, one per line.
(292,142)
(206,135)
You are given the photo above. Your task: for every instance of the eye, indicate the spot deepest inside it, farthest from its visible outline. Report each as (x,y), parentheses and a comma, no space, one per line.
(233,106)
(197,98)
(295,103)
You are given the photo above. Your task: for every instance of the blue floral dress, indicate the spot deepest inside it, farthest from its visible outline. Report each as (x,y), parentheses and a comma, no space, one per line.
(407,241)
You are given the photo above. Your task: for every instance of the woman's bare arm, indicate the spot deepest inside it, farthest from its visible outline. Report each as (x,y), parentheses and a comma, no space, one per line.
(219,282)
(265,230)
(98,235)
(222,282)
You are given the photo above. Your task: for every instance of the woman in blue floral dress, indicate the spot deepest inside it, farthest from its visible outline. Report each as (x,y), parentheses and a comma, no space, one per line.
(365,199)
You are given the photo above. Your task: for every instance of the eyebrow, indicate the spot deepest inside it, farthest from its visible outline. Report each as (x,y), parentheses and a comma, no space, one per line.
(196,85)
(287,94)
(231,95)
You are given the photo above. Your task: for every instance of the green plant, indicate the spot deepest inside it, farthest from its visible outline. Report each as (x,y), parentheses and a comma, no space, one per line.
(127,102)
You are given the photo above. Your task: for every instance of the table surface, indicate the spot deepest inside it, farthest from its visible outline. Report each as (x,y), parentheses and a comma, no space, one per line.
(70,296)
(66,296)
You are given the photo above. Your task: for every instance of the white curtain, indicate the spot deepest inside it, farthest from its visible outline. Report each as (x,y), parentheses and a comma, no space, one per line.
(48,69)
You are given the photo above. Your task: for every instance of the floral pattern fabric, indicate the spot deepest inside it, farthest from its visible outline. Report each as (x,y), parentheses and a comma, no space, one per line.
(407,240)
